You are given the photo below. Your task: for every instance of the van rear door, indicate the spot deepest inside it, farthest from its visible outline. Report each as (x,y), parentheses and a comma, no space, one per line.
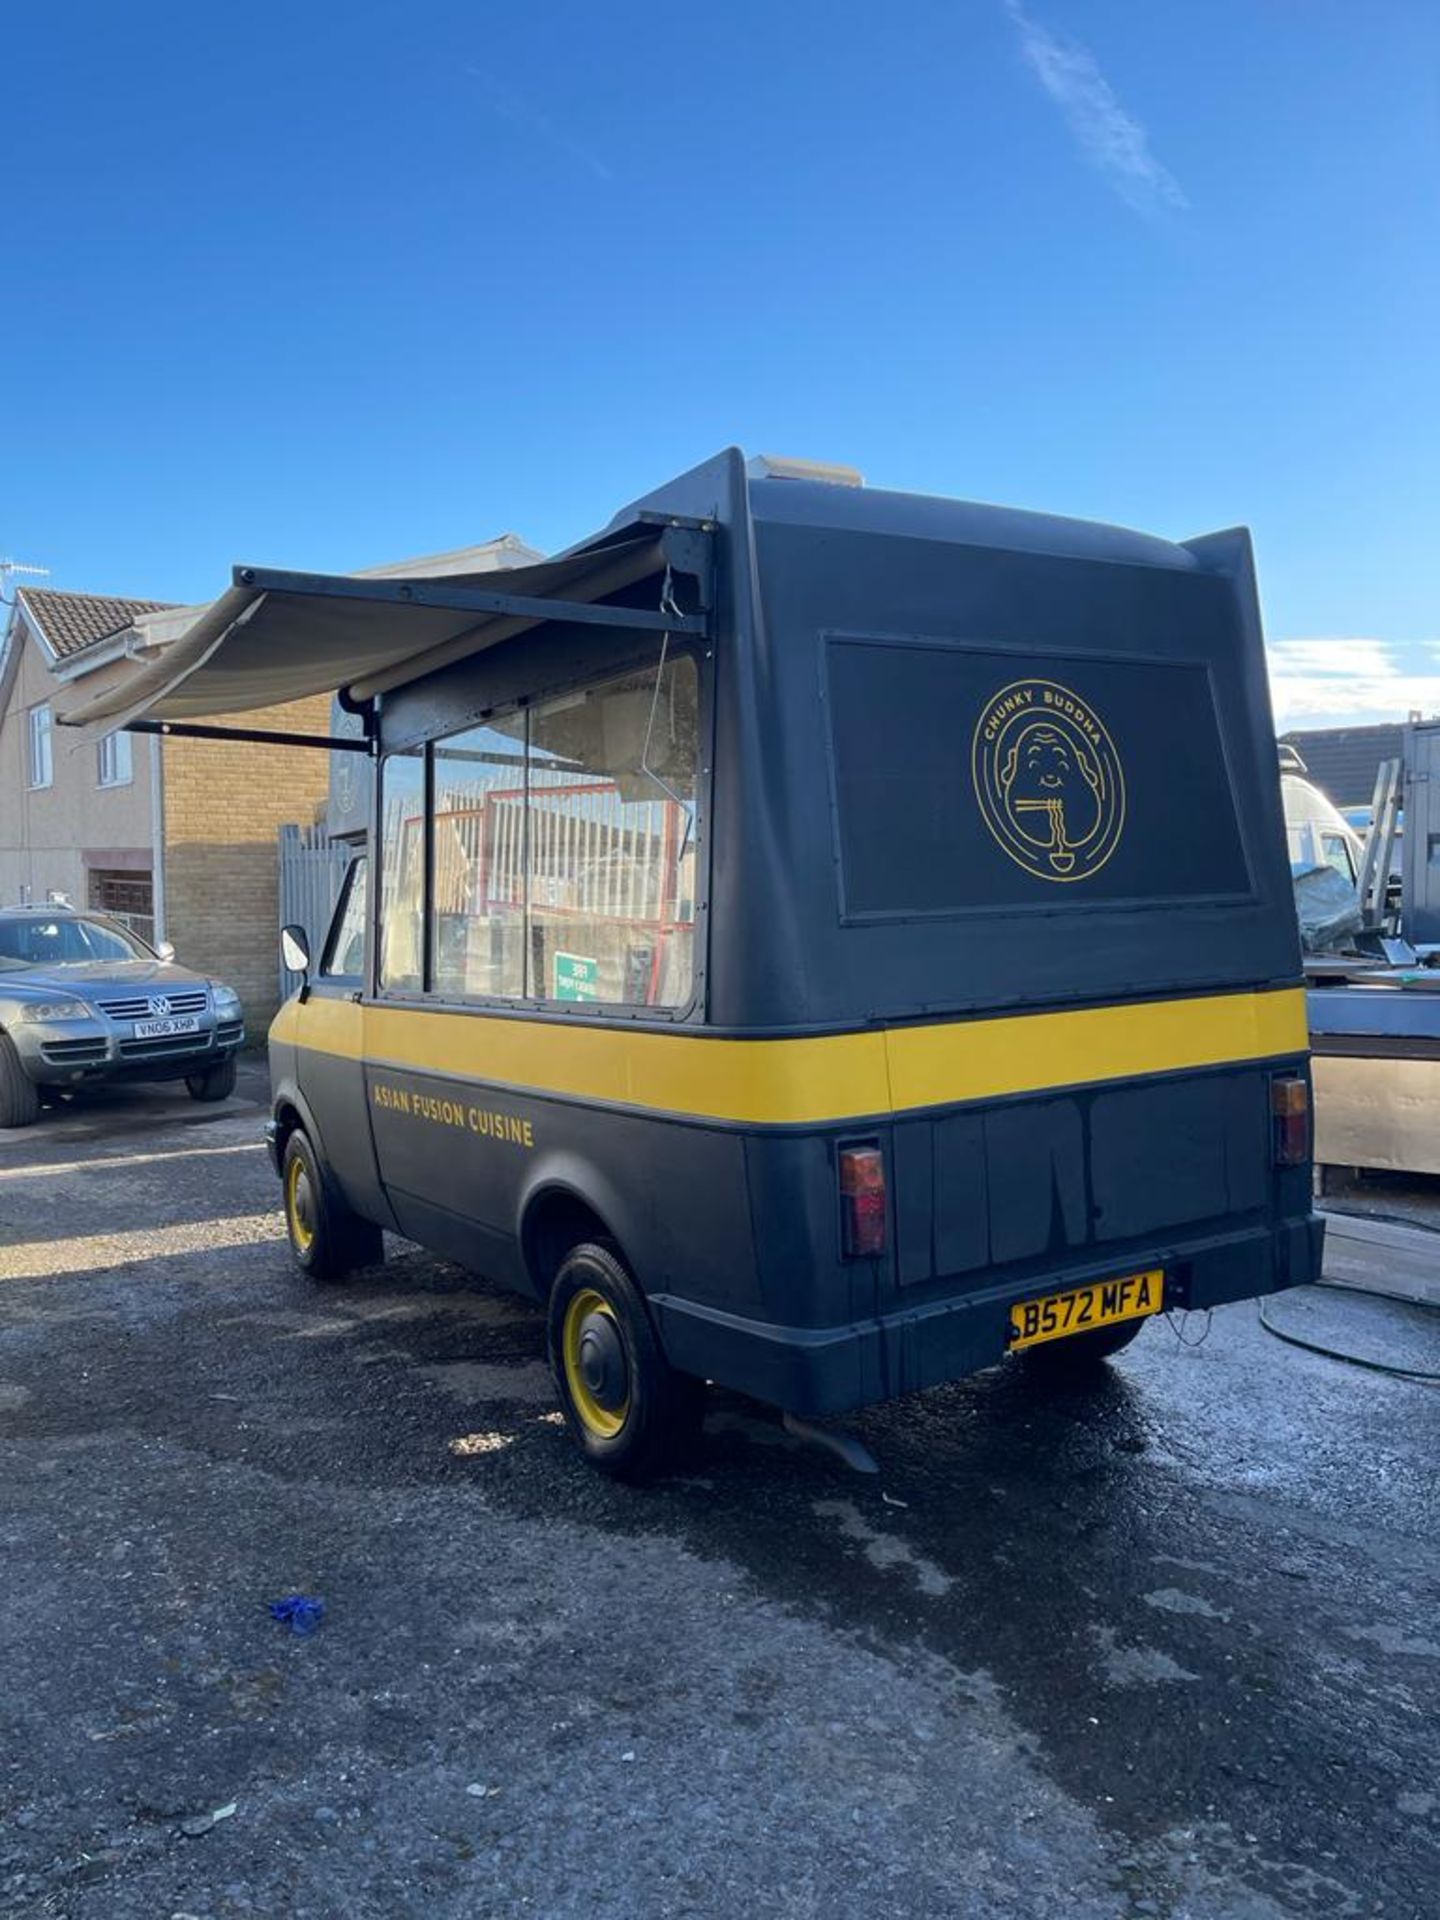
(1058,858)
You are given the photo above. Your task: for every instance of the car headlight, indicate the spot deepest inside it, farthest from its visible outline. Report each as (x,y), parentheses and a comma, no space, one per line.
(57,1010)
(227,1003)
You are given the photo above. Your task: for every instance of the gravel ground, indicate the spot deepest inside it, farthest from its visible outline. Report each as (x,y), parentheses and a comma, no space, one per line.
(1168,1647)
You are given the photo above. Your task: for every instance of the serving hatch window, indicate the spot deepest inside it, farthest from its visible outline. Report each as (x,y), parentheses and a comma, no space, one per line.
(611,844)
(563,849)
(477,887)
(402,870)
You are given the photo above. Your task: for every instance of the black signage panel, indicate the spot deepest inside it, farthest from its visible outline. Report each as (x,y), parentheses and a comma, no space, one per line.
(969,780)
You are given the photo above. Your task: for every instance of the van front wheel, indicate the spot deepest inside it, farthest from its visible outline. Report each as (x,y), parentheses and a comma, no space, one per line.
(327,1239)
(631,1412)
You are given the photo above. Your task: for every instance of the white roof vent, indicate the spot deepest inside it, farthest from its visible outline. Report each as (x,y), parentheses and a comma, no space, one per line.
(774,466)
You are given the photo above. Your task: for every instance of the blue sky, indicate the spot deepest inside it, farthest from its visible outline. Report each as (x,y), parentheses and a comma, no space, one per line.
(323,287)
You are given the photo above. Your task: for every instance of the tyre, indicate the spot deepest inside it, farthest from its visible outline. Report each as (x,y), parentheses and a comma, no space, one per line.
(327,1239)
(215,1083)
(1079,1355)
(19,1095)
(631,1413)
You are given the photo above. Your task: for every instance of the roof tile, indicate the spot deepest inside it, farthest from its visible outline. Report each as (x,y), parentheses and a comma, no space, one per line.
(74,622)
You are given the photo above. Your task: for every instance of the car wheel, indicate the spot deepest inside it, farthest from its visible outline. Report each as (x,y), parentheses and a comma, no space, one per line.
(632,1414)
(19,1095)
(1079,1355)
(215,1083)
(327,1239)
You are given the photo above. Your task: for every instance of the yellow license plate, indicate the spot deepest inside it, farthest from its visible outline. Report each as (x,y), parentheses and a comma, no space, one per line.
(1082,1308)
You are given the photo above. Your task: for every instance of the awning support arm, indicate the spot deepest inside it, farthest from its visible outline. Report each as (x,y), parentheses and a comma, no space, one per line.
(436,593)
(254,736)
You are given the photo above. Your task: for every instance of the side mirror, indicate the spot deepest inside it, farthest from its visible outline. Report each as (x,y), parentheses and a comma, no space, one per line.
(166,951)
(295,950)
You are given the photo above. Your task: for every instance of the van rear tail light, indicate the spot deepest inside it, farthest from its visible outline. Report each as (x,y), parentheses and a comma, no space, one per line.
(1290,1120)
(862,1201)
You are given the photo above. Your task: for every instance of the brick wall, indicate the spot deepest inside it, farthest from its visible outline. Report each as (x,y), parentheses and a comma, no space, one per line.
(223,804)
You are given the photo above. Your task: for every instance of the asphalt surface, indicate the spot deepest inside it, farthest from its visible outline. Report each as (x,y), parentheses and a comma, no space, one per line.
(1167,1647)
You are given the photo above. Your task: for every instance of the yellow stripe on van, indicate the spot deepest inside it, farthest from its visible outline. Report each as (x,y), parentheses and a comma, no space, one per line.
(980,1059)
(819,1081)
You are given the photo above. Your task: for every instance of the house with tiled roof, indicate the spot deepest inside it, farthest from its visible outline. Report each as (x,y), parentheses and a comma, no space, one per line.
(81,828)
(177,836)
(69,624)
(1343,761)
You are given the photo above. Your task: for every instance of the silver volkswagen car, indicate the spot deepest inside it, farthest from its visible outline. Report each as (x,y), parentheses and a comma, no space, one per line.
(82,999)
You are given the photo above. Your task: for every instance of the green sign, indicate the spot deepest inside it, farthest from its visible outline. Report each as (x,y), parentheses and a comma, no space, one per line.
(575,977)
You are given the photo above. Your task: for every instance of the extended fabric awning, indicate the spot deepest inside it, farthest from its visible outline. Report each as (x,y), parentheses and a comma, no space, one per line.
(276,636)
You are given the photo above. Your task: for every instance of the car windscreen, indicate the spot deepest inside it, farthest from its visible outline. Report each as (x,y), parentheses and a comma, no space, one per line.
(35,941)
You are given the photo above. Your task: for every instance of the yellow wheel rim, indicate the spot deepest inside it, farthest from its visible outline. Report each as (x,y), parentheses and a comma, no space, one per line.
(299,1206)
(597,1376)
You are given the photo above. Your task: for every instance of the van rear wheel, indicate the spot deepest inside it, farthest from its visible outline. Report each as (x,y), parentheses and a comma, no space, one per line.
(632,1414)
(1078,1356)
(327,1239)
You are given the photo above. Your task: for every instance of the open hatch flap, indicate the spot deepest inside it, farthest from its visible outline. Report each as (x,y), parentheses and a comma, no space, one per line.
(274,636)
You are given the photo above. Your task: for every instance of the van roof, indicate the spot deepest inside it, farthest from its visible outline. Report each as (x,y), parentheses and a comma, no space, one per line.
(277,636)
(923,516)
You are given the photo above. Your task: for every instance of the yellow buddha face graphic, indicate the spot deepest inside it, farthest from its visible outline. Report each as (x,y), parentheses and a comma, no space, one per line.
(1052,792)
(1048,780)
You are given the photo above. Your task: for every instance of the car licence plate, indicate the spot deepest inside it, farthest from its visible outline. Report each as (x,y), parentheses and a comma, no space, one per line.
(164,1029)
(1086,1307)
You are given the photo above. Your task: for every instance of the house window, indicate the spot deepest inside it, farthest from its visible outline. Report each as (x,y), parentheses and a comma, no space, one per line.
(42,765)
(115,768)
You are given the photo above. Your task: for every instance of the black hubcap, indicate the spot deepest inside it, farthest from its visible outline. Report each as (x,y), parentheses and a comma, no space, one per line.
(602,1361)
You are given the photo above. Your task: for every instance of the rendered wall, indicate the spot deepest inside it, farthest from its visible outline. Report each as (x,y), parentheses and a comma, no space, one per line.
(46,833)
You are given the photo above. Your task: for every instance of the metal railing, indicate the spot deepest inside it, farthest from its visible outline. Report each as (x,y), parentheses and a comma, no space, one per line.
(312,872)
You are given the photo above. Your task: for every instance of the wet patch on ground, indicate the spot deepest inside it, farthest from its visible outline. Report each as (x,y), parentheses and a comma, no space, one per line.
(1158,1647)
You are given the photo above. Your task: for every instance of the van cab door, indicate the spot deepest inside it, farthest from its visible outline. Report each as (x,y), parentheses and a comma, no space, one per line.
(328,1031)
(420,1103)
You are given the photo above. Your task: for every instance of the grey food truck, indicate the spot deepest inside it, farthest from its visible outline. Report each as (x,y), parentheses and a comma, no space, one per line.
(813,939)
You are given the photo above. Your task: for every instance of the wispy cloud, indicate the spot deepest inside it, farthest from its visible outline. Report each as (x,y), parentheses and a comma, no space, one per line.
(1109,137)
(520,114)
(1351,681)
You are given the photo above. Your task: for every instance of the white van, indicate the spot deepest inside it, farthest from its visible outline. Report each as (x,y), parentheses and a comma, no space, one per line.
(1317,832)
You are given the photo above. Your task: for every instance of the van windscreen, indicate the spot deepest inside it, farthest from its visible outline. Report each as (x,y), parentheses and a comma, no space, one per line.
(978,780)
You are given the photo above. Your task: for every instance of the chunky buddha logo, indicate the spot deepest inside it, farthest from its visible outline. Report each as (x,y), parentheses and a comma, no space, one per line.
(1048,780)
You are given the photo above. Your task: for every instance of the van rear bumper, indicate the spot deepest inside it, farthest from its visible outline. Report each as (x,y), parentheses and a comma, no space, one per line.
(819,1370)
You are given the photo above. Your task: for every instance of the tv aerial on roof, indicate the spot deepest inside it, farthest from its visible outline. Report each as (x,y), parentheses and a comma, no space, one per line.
(8,568)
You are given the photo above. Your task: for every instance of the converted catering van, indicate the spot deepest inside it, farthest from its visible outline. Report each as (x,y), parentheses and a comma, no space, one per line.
(814,939)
